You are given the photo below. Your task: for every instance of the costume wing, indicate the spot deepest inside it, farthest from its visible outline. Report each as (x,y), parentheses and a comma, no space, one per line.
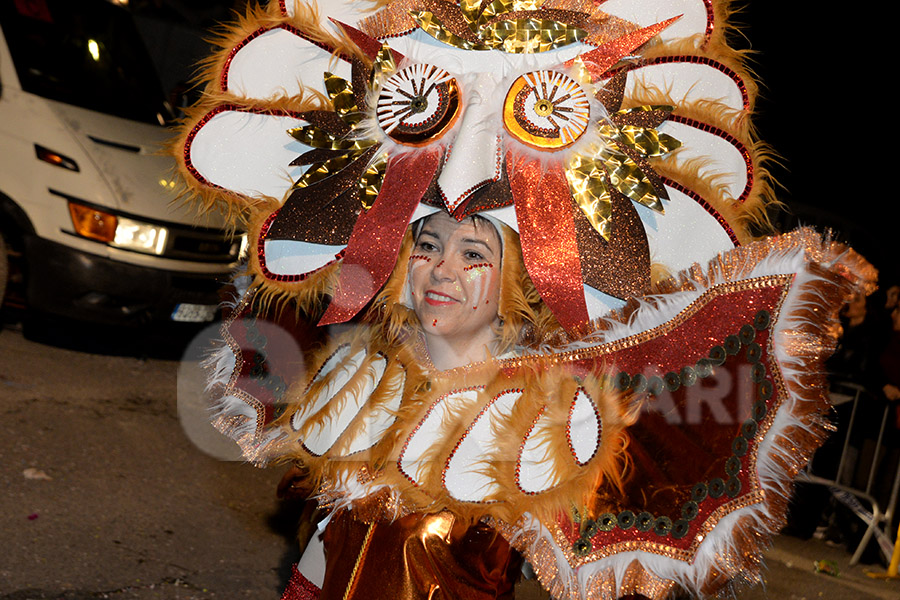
(658,449)
(658,452)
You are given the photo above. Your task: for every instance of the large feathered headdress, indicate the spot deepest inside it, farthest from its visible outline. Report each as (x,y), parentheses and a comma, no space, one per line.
(612,136)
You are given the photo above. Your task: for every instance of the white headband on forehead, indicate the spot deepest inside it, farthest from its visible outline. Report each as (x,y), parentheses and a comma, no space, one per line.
(498,224)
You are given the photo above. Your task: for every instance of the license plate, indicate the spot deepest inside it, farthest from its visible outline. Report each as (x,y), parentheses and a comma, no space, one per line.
(195,313)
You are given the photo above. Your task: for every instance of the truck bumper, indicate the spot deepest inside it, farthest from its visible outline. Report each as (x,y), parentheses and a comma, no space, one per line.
(75,284)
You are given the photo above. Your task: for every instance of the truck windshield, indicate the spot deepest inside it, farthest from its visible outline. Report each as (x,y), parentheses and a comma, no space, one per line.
(84,52)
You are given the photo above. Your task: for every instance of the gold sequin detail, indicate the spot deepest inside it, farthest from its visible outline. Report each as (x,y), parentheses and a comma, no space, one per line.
(433,26)
(530,35)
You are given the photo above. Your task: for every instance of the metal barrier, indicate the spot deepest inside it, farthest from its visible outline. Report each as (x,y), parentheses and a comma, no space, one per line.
(878,519)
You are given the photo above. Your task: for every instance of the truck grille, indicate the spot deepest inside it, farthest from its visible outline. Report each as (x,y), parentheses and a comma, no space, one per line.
(208,245)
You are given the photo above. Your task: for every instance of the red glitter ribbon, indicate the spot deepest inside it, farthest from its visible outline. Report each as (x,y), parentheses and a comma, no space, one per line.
(300,588)
(547,232)
(369,45)
(602,58)
(375,242)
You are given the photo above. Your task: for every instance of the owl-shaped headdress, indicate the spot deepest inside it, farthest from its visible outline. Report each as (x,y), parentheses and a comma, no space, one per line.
(611,136)
(612,140)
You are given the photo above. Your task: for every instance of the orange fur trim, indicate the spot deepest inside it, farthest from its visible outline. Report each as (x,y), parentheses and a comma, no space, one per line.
(209,74)
(404,377)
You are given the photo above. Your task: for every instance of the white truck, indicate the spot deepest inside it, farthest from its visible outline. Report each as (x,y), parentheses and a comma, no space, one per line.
(87,205)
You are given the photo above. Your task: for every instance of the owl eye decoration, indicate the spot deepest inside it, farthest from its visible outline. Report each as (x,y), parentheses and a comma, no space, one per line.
(364,184)
(546,110)
(418,105)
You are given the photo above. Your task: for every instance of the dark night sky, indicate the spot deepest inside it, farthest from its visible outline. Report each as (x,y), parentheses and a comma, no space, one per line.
(815,66)
(816,75)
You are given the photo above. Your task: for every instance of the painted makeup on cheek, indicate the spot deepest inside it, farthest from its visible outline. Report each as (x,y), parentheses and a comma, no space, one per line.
(415,261)
(478,278)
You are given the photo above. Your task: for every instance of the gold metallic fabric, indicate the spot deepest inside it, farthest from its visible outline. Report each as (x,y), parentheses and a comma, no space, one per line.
(417,557)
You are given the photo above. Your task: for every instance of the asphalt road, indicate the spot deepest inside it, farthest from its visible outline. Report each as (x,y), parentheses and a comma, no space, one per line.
(106,496)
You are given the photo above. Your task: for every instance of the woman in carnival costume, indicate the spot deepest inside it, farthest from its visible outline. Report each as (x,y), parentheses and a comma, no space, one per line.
(537,215)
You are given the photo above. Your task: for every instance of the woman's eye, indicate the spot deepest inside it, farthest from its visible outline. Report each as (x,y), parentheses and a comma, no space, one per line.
(418,104)
(546,110)
(472,255)
(426,247)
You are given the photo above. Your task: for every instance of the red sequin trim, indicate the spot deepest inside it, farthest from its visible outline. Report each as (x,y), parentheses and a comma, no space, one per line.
(748,160)
(522,451)
(710,20)
(569,427)
(706,206)
(186,151)
(300,588)
(702,60)
(223,82)
(696,60)
(466,434)
(484,264)
(261,252)
(474,388)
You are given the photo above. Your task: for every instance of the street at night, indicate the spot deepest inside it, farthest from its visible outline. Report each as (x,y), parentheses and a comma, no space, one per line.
(106,496)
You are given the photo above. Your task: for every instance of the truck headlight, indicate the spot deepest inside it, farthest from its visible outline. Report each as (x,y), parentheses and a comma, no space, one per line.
(141,237)
(116,231)
(244,247)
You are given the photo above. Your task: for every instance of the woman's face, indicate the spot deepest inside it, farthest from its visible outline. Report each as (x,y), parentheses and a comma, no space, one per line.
(454,276)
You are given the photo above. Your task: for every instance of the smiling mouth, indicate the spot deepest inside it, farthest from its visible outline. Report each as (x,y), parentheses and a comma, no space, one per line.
(438,299)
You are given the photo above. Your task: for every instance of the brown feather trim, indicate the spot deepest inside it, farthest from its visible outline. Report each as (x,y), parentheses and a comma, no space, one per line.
(420,388)
(203,198)
(715,47)
(209,74)
(751,216)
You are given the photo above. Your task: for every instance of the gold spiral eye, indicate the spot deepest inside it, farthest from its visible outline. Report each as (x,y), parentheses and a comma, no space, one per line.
(418,104)
(546,110)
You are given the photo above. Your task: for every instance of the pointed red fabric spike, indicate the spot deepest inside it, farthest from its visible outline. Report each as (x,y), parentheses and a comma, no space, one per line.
(602,58)
(369,45)
(375,242)
(547,233)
